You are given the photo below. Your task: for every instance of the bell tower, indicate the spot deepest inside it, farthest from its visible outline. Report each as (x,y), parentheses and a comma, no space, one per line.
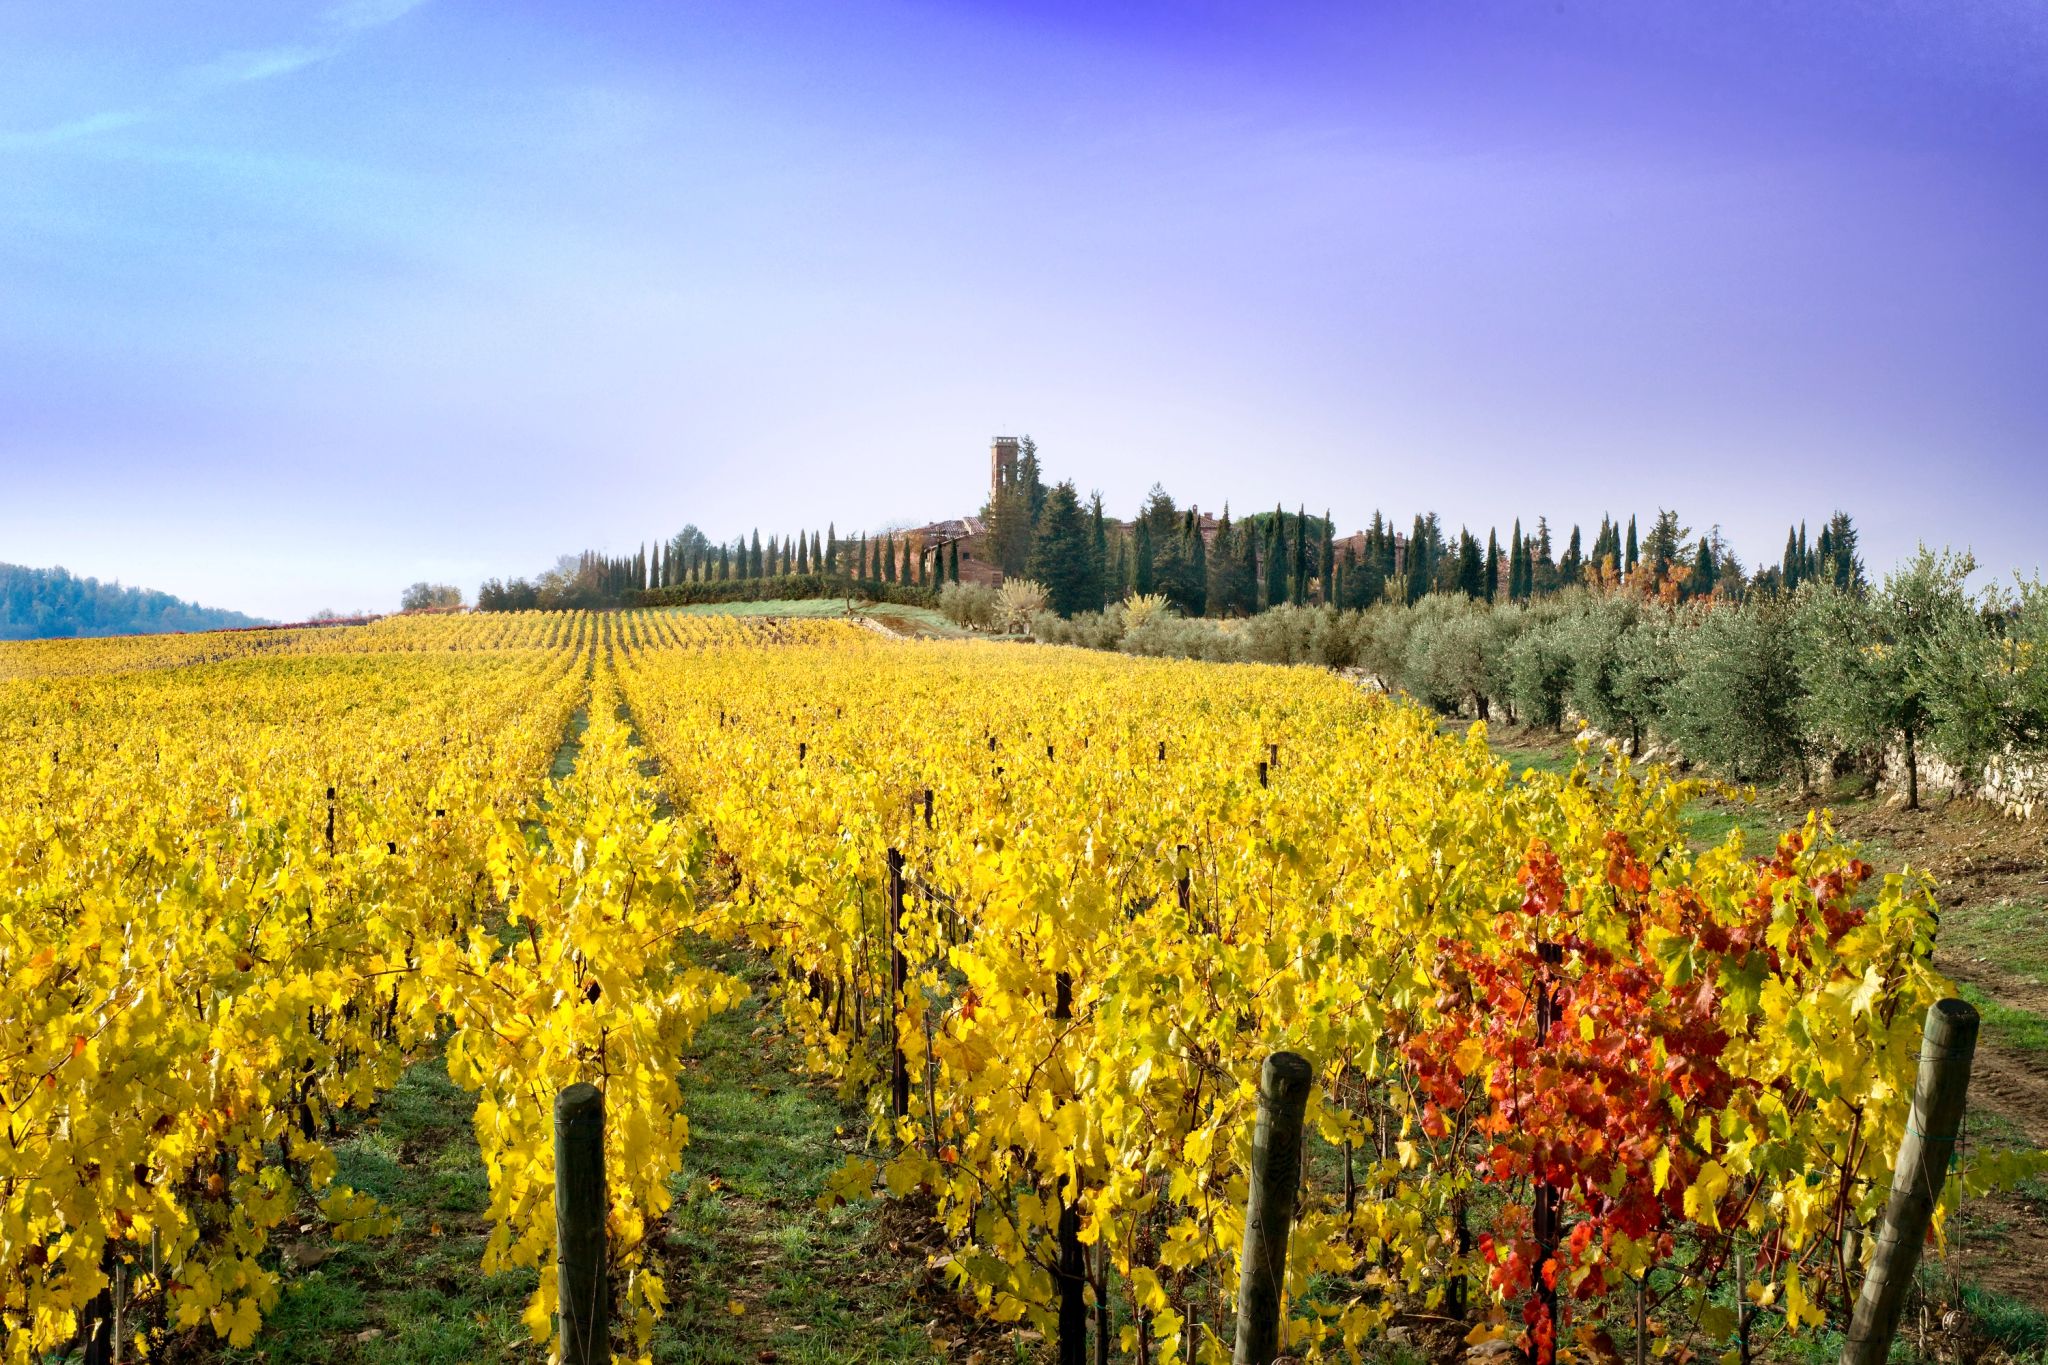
(1002,464)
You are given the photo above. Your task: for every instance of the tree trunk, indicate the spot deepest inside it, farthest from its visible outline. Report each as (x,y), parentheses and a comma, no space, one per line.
(1912,771)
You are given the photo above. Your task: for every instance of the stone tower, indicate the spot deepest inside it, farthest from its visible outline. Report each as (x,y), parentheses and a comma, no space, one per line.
(1002,464)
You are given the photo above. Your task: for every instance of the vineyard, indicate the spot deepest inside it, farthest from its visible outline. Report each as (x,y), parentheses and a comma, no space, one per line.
(1043,913)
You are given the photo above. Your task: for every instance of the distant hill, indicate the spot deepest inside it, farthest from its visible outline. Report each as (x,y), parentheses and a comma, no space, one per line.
(42,604)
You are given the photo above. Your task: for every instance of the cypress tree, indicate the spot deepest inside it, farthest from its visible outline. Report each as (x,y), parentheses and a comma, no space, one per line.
(1170,564)
(1027,477)
(1702,582)
(1327,570)
(953,562)
(1198,567)
(803,554)
(832,546)
(1846,566)
(1492,564)
(1297,592)
(1415,573)
(1220,603)
(1518,567)
(1634,554)
(1542,567)
(1574,560)
(1471,577)
(1099,547)
(1276,559)
(1789,566)
(1141,557)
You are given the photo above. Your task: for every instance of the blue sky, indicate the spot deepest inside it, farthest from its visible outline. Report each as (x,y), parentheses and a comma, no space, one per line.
(302,302)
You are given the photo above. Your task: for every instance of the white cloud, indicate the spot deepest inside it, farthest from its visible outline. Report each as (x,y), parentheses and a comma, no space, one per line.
(343,21)
(237,68)
(112,120)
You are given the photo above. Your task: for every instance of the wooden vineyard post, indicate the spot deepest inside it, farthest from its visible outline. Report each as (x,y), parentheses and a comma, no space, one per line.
(1262,772)
(97,1323)
(927,807)
(585,1312)
(1547,1217)
(1284,1084)
(1643,1318)
(1072,1277)
(899,974)
(1741,1311)
(330,822)
(1948,1042)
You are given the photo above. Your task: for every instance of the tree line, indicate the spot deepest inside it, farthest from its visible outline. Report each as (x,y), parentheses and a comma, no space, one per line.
(809,563)
(1244,566)
(1235,567)
(41,604)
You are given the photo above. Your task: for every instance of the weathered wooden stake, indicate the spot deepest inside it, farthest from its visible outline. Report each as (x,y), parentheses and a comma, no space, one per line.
(330,822)
(927,807)
(1948,1042)
(96,1328)
(1741,1311)
(899,975)
(1642,1319)
(585,1313)
(1072,1276)
(1284,1084)
(1262,772)
(1073,1283)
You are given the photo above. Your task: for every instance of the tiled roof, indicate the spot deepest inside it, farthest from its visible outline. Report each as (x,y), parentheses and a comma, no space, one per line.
(955,528)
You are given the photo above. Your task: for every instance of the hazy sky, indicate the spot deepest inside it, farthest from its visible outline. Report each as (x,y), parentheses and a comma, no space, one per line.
(300,303)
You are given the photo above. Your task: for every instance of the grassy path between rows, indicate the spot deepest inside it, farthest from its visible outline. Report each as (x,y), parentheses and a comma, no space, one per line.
(756,1271)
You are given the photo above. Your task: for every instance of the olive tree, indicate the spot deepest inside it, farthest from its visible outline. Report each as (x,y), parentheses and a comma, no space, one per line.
(1869,665)
(1734,702)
